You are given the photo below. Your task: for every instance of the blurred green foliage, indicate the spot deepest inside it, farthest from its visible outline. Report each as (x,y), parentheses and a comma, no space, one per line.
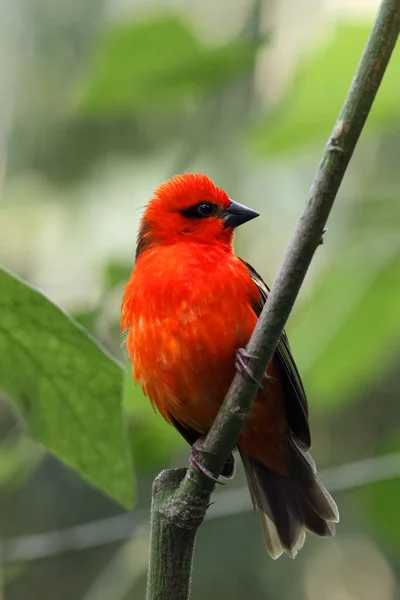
(317,92)
(351,324)
(17,460)
(153,441)
(144,86)
(157,63)
(378,502)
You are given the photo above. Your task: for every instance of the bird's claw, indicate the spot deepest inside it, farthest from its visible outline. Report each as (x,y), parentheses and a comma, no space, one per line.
(241,365)
(195,462)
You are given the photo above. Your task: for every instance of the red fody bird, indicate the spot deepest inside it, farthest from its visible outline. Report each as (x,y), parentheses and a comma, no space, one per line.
(189,309)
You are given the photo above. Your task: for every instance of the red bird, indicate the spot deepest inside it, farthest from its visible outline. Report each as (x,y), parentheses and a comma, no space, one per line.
(189,309)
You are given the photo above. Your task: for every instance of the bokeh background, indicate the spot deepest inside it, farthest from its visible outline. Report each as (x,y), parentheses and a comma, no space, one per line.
(100,101)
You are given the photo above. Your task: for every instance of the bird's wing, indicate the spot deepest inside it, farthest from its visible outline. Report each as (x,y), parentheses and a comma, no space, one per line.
(295,397)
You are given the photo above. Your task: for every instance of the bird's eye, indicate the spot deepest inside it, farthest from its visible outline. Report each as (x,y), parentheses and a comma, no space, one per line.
(205,209)
(202,210)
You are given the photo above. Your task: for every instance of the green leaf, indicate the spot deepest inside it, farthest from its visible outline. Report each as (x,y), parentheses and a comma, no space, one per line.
(312,104)
(157,64)
(347,335)
(66,387)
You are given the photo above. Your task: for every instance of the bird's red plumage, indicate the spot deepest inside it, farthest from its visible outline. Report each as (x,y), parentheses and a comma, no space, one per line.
(192,320)
(188,307)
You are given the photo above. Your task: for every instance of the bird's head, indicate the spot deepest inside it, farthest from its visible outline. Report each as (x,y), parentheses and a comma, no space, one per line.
(190,207)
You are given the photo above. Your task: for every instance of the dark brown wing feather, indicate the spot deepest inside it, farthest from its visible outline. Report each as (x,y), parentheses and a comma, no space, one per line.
(191,436)
(295,397)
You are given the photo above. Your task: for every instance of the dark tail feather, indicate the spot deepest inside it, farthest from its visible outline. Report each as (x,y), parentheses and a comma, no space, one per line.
(288,507)
(229,467)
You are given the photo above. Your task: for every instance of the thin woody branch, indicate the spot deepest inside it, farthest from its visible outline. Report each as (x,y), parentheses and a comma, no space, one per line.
(178,511)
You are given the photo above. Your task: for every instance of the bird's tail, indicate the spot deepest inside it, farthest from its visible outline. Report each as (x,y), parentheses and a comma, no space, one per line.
(288,507)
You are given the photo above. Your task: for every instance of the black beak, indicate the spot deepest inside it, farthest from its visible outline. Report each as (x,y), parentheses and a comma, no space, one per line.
(236,214)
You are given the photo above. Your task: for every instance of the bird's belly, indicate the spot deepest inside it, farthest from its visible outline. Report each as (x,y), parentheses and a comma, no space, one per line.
(185,365)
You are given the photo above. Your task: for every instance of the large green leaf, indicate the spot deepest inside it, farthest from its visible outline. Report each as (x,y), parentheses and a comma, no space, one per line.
(156,63)
(348,333)
(318,91)
(66,387)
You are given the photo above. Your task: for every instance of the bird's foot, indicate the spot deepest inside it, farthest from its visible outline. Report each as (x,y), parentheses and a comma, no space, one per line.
(195,462)
(241,365)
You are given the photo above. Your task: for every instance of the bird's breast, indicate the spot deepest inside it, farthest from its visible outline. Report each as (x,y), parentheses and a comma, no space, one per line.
(184,327)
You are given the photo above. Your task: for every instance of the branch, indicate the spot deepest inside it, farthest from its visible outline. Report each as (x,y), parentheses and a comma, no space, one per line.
(177,513)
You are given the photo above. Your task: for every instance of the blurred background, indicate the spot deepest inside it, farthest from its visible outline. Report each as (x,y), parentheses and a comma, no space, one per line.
(102,100)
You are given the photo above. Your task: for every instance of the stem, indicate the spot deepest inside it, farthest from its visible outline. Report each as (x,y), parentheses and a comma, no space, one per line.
(171,542)
(184,508)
